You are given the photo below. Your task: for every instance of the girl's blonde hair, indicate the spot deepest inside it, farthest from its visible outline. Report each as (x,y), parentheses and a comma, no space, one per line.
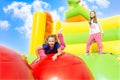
(94,18)
(53,36)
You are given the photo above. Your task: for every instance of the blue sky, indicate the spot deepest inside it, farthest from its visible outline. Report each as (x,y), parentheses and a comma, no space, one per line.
(16,17)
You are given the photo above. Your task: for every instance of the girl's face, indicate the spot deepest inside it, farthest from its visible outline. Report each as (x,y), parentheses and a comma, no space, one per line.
(51,41)
(92,14)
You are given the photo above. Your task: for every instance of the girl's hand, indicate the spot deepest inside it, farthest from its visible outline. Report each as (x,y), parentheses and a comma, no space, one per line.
(102,34)
(38,59)
(54,57)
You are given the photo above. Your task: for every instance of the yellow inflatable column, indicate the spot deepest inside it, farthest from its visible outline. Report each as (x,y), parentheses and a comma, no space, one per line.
(56,26)
(38,31)
(94,48)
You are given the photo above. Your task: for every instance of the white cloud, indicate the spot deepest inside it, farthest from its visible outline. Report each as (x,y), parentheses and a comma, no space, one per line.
(91,1)
(26,28)
(94,7)
(61,9)
(55,15)
(24,11)
(39,5)
(103,3)
(4,25)
(19,9)
(99,13)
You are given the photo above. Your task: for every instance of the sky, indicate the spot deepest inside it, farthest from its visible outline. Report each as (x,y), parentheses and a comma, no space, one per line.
(16,17)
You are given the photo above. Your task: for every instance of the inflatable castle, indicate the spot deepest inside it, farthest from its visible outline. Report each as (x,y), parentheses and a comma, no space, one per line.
(72,64)
(75,30)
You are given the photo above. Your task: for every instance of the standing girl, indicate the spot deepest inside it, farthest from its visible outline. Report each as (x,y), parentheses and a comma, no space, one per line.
(51,45)
(96,32)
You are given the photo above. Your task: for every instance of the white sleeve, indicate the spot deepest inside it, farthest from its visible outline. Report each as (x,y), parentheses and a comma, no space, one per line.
(100,27)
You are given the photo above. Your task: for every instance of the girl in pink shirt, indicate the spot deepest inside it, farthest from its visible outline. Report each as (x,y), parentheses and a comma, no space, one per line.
(96,32)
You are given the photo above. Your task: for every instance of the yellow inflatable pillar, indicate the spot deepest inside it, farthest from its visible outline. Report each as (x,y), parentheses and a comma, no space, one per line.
(75,27)
(94,47)
(56,26)
(38,31)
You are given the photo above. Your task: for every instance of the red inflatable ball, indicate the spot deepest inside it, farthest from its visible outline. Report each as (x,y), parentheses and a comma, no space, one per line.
(66,67)
(12,66)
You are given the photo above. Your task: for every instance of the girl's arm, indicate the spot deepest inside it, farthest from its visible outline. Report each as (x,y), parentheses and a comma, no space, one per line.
(100,27)
(57,54)
(89,29)
(37,50)
(59,51)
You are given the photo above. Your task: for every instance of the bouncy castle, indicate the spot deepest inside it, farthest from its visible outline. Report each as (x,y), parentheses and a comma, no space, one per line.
(75,30)
(72,64)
